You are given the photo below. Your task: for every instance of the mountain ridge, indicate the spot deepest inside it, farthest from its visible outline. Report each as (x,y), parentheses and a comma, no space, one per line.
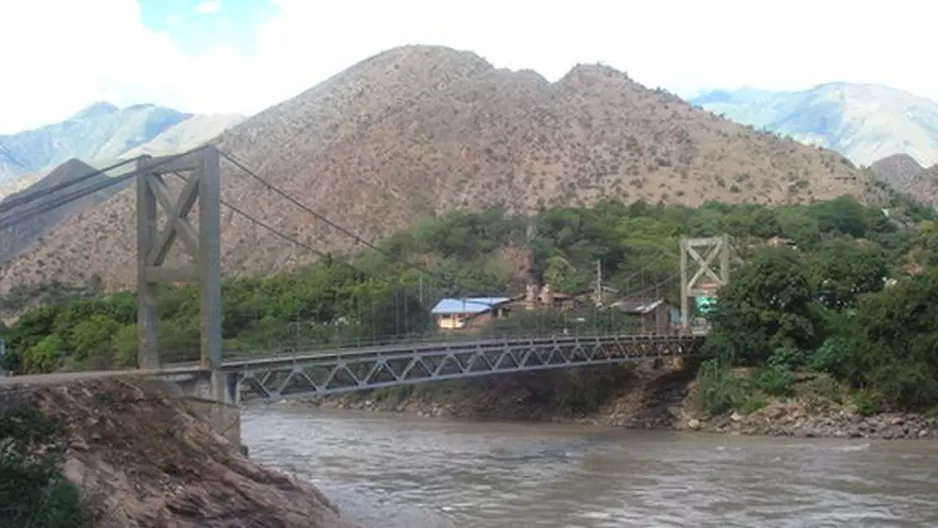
(905,174)
(420,130)
(102,132)
(864,121)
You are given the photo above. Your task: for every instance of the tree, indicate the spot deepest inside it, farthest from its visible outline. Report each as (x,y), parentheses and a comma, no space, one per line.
(93,336)
(767,306)
(895,340)
(45,356)
(843,270)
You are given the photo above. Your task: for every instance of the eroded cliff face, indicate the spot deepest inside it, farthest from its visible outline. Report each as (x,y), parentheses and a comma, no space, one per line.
(141,458)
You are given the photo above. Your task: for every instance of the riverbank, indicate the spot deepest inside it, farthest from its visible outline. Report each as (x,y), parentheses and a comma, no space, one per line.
(642,396)
(139,457)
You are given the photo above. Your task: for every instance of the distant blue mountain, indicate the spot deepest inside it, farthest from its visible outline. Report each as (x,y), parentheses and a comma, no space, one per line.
(864,122)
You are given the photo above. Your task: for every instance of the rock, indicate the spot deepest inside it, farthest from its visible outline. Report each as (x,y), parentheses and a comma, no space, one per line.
(693,424)
(137,474)
(736,417)
(923,433)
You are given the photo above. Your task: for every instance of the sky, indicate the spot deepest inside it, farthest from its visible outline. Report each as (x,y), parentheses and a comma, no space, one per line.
(241,56)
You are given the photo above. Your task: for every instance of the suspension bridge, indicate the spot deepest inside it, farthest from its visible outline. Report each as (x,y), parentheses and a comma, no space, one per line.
(334,369)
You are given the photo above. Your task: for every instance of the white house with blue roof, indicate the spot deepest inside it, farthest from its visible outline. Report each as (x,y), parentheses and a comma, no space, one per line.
(468,312)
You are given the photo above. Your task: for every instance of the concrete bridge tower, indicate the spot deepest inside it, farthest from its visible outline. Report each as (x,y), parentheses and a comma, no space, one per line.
(200,169)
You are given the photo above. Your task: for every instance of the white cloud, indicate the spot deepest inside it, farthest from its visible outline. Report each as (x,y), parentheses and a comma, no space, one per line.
(101,49)
(208,7)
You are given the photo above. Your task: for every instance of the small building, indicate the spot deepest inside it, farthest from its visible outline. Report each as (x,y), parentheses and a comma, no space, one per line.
(468,312)
(656,316)
(544,298)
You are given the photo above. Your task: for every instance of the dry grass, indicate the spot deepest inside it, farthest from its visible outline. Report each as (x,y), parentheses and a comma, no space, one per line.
(418,130)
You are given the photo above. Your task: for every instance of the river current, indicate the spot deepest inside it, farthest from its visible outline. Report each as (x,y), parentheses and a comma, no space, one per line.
(397,471)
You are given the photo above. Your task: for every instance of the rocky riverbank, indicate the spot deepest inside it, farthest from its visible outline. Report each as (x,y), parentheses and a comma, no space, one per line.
(141,458)
(634,396)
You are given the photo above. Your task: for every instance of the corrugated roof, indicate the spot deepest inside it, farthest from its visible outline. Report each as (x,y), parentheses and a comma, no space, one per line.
(472,305)
(640,306)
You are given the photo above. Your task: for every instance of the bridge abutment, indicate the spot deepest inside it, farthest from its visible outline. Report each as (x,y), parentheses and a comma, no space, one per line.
(201,394)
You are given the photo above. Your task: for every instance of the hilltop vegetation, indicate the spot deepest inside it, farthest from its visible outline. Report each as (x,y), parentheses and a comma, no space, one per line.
(819,307)
(864,122)
(419,130)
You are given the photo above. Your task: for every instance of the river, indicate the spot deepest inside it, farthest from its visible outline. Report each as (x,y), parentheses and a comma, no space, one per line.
(399,471)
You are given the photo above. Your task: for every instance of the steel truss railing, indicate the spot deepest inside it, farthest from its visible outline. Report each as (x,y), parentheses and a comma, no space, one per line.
(326,374)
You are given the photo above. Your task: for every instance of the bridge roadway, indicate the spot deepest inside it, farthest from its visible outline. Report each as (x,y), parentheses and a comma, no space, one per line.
(326,372)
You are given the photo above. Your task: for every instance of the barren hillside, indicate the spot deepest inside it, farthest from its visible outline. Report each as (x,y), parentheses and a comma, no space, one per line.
(923,186)
(17,237)
(908,177)
(897,170)
(185,135)
(417,130)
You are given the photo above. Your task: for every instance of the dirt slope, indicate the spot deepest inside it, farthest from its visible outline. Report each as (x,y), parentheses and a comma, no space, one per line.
(141,459)
(417,130)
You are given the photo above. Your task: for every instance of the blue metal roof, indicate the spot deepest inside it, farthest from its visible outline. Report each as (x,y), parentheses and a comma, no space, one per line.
(473,305)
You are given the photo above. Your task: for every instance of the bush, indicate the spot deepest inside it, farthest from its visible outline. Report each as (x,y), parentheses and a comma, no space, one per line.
(33,491)
(718,390)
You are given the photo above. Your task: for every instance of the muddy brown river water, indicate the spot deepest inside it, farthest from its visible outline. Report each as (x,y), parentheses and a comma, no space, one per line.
(397,471)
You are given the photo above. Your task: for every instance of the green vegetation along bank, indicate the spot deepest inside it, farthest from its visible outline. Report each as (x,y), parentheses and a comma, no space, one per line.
(832,307)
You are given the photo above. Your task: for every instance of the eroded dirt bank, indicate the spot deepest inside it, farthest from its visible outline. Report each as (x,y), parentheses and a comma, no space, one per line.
(643,396)
(143,459)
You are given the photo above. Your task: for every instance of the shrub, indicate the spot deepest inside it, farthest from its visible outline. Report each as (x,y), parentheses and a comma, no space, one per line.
(718,390)
(33,491)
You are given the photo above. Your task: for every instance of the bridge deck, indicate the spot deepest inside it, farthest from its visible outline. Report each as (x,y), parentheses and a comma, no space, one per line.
(325,372)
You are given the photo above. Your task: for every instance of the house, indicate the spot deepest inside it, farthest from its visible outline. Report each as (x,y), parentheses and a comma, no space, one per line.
(654,315)
(468,312)
(545,298)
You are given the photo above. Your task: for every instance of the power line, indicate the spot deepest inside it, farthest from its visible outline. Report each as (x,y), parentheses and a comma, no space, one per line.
(18,217)
(55,202)
(326,220)
(279,234)
(26,197)
(320,216)
(364,242)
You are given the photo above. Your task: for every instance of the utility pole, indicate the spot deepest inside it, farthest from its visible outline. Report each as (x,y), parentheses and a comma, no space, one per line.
(599,283)
(420,279)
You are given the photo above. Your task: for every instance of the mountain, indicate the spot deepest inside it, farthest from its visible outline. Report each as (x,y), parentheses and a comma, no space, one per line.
(897,170)
(186,135)
(20,182)
(419,130)
(15,238)
(865,122)
(102,133)
(906,175)
(99,132)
